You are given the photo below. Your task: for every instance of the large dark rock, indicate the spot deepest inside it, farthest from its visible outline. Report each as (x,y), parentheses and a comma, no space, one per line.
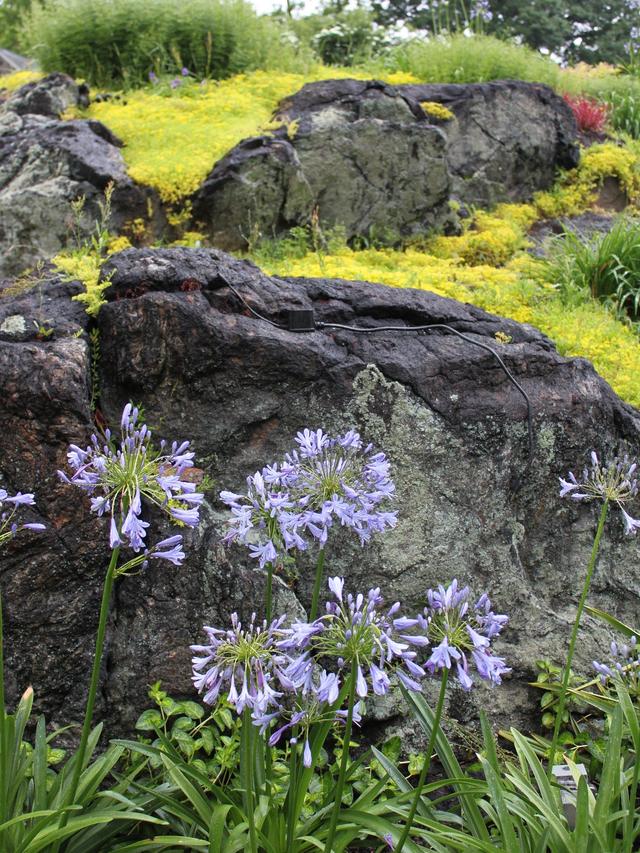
(472,502)
(50,96)
(364,158)
(46,164)
(366,155)
(507,138)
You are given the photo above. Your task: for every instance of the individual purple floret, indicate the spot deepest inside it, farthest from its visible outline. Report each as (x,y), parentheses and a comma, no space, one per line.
(242,661)
(9,506)
(119,477)
(459,634)
(325,480)
(354,630)
(616,482)
(625,663)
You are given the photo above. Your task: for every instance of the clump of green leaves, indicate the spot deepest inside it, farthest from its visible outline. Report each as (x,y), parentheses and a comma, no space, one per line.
(604,267)
(209,741)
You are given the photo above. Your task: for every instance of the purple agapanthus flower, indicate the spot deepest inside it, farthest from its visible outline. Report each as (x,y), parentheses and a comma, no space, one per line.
(10,505)
(341,480)
(242,661)
(616,481)
(624,663)
(460,634)
(324,481)
(118,477)
(354,632)
(153,77)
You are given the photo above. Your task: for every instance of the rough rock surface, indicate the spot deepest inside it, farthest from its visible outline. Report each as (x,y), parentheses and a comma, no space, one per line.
(364,158)
(472,504)
(10,62)
(50,96)
(365,155)
(588,226)
(506,140)
(46,163)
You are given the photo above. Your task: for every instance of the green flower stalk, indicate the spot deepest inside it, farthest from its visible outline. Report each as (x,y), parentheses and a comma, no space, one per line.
(613,483)
(118,479)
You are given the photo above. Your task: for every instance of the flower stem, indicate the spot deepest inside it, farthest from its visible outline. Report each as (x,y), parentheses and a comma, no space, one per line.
(344,759)
(427,761)
(268,602)
(316,586)
(631,815)
(293,772)
(69,799)
(247,759)
(4,752)
(574,636)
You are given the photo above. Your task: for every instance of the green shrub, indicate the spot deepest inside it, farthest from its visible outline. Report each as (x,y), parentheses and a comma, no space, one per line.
(119,42)
(473,59)
(606,267)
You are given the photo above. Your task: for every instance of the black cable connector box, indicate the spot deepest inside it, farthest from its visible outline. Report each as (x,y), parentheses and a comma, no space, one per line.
(301,320)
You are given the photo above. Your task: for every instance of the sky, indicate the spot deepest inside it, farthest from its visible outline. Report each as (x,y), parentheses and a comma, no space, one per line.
(264,7)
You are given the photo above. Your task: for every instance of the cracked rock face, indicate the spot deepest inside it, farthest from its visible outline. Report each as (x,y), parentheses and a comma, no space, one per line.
(366,160)
(472,503)
(365,155)
(506,140)
(46,163)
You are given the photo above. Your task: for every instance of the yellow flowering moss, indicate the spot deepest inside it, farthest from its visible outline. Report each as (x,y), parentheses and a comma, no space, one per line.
(84,265)
(576,190)
(433,108)
(491,238)
(517,290)
(11,82)
(172,141)
(118,244)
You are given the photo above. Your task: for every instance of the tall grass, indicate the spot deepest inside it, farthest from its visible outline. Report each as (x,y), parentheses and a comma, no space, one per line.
(605,267)
(474,59)
(119,42)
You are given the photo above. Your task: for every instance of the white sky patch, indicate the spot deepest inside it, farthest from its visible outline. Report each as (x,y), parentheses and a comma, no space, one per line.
(265,7)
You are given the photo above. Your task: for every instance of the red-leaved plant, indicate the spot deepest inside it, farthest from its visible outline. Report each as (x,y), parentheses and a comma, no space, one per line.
(590,115)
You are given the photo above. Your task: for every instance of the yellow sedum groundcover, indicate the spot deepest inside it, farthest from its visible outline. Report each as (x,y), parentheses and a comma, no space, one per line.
(173,137)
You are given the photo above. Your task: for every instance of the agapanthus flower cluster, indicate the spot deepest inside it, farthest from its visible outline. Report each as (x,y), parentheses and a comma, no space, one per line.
(460,635)
(625,663)
(322,482)
(9,507)
(119,477)
(243,661)
(293,677)
(616,481)
(355,631)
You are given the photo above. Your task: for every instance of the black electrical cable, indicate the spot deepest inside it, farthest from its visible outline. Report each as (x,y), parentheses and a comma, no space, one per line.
(254,312)
(464,337)
(319,326)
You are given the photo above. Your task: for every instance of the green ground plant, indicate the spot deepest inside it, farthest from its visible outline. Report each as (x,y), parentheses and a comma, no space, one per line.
(474,59)
(604,267)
